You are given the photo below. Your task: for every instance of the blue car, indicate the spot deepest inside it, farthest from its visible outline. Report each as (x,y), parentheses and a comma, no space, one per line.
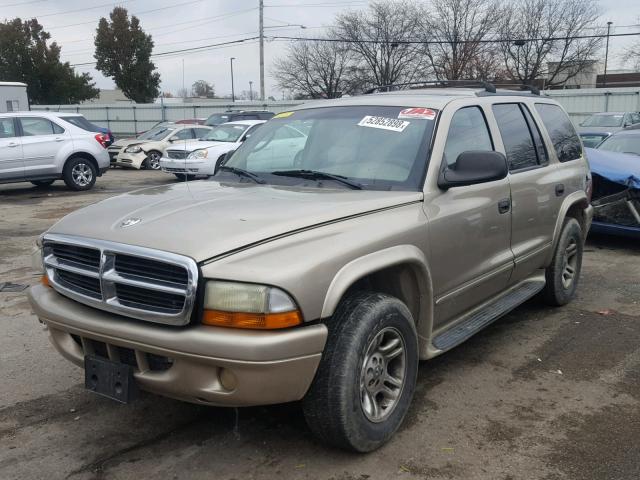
(616,192)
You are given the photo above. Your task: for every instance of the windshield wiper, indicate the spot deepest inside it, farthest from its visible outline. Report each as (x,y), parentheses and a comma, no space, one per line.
(242,173)
(317,175)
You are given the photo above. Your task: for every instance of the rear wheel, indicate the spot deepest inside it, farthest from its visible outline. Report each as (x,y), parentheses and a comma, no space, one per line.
(42,183)
(564,272)
(79,174)
(367,375)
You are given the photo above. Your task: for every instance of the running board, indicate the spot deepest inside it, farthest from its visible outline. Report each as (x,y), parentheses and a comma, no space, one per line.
(479,320)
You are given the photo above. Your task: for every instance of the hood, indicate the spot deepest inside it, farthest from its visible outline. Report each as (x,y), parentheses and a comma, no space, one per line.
(622,168)
(192,145)
(126,142)
(205,219)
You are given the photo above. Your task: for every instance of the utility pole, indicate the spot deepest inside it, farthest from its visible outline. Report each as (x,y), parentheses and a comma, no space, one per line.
(250,90)
(233,94)
(262,50)
(606,55)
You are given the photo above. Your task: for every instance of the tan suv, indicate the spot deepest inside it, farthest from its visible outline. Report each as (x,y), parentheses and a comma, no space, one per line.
(325,270)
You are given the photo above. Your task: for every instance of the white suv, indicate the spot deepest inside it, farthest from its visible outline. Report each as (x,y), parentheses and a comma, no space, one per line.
(41,147)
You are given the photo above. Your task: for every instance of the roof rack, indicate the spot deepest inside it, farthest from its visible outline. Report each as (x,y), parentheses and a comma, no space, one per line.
(488,87)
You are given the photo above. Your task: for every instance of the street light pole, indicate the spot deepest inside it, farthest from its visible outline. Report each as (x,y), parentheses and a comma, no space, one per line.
(233,94)
(250,90)
(606,55)
(261,50)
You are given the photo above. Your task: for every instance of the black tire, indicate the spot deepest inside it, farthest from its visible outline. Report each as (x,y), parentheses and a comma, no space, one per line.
(79,174)
(152,162)
(183,177)
(335,405)
(564,272)
(42,183)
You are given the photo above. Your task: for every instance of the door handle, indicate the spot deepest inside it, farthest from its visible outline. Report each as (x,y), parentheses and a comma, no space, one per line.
(559,189)
(504,205)
(12,144)
(59,139)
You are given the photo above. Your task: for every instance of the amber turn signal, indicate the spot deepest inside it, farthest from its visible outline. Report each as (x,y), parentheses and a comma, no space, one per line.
(44,280)
(259,321)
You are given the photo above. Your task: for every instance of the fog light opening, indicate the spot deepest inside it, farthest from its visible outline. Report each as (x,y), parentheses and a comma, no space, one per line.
(228,379)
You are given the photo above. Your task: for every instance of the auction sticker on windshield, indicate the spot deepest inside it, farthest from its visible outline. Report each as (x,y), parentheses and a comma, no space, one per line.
(417,112)
(383,123)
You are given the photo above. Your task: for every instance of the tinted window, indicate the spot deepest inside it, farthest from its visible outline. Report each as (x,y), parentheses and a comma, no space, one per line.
(81,122)
(541,149)
(468,131)
(6,128)
(38,126)
(516,137)
(565,140)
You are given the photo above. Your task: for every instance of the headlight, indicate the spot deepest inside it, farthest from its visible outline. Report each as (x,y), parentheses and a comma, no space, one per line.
(199,154)
(246,305)
(134,149)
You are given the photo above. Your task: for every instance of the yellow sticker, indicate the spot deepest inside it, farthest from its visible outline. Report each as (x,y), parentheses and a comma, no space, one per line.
(283,115)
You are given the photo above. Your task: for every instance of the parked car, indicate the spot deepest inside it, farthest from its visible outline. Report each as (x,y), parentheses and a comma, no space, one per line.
(234,116)
(599,126)
(201,157)
(81,122)
(192,121)
(624,141)
(42,147)
(405,222)
(616,188)
(146,150)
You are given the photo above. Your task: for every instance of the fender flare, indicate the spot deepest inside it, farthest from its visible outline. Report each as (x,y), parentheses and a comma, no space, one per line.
(576,198)
(381,259)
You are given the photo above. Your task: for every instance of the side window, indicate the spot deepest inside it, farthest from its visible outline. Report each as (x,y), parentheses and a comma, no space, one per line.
(57,129)
(36,126)
(250,131)
(541,149)
(516,136)
(248,117)
(184,134)
(7,129)
(635,118)
(468,131)
(200,132)
(565,140)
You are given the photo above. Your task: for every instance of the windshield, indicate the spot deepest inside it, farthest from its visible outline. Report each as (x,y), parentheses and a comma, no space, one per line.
(217,119)
(225,133)
(375,147)
(614,120)
(157,133)
(622,144)
(82,123)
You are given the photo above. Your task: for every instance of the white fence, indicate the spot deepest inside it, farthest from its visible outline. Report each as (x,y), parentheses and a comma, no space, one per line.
(127,118)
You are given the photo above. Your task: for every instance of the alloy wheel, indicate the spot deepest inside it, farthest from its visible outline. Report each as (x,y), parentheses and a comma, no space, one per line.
(154,161)
(82,174)
(570,263)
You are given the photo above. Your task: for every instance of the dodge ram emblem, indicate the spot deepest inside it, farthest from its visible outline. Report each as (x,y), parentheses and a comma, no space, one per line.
(130,222)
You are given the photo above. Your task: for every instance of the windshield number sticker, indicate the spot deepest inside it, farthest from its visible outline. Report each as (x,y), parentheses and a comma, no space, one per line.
(417,112)
(384,123)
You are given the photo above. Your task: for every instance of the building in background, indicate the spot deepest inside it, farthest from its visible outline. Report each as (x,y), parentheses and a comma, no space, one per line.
(110,95)
(13,97)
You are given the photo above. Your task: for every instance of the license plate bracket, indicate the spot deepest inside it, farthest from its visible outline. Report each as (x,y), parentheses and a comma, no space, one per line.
(110,379)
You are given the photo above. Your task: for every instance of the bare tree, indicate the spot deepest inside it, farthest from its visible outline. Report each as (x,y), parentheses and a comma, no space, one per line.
(461,29)
(377,38)
(538,39)
(182,93)
(313,69)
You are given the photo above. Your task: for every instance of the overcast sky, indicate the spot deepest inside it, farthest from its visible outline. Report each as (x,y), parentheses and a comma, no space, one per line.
(182,24)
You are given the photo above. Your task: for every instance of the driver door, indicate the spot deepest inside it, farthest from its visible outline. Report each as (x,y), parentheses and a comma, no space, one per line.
(469,227)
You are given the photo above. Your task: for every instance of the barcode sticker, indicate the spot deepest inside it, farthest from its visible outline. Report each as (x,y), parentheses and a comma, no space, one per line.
(383,123)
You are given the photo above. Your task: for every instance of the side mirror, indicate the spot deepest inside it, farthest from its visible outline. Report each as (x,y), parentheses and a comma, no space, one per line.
(474,166)
(246,136)
(222,160)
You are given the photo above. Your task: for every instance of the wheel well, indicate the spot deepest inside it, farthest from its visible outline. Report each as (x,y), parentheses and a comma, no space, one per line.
(87,156)
(400,281)
(577,211)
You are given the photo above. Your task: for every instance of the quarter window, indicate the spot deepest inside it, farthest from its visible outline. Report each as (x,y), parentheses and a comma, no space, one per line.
(565,140)
(516,136)
(468,131)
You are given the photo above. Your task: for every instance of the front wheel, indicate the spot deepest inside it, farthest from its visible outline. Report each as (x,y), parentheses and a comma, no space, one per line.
(152,161)
(564,272)
(79,174)
(367,375)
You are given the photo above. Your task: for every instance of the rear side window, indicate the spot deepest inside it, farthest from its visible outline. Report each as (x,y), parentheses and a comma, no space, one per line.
(468,131)
(6,128)
(516,136)
(38,126)
(564,137)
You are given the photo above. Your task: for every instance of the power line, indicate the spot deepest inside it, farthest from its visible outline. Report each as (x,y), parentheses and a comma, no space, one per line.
(22,3)
(85,9)
(328,4)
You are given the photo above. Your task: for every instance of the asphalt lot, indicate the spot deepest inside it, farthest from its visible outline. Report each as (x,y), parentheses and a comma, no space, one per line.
(542,394)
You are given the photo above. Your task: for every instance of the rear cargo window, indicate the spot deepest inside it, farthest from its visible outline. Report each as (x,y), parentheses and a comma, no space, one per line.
(565,140)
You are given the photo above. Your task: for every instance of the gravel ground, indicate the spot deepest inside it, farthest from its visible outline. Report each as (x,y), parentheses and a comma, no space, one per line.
(542,394)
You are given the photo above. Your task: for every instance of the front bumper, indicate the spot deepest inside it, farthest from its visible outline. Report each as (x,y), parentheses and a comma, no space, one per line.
(186,166)
(206,365)
(131,160)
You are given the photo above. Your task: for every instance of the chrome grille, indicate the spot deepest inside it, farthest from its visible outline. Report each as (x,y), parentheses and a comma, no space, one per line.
(133,281)
(178,154)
